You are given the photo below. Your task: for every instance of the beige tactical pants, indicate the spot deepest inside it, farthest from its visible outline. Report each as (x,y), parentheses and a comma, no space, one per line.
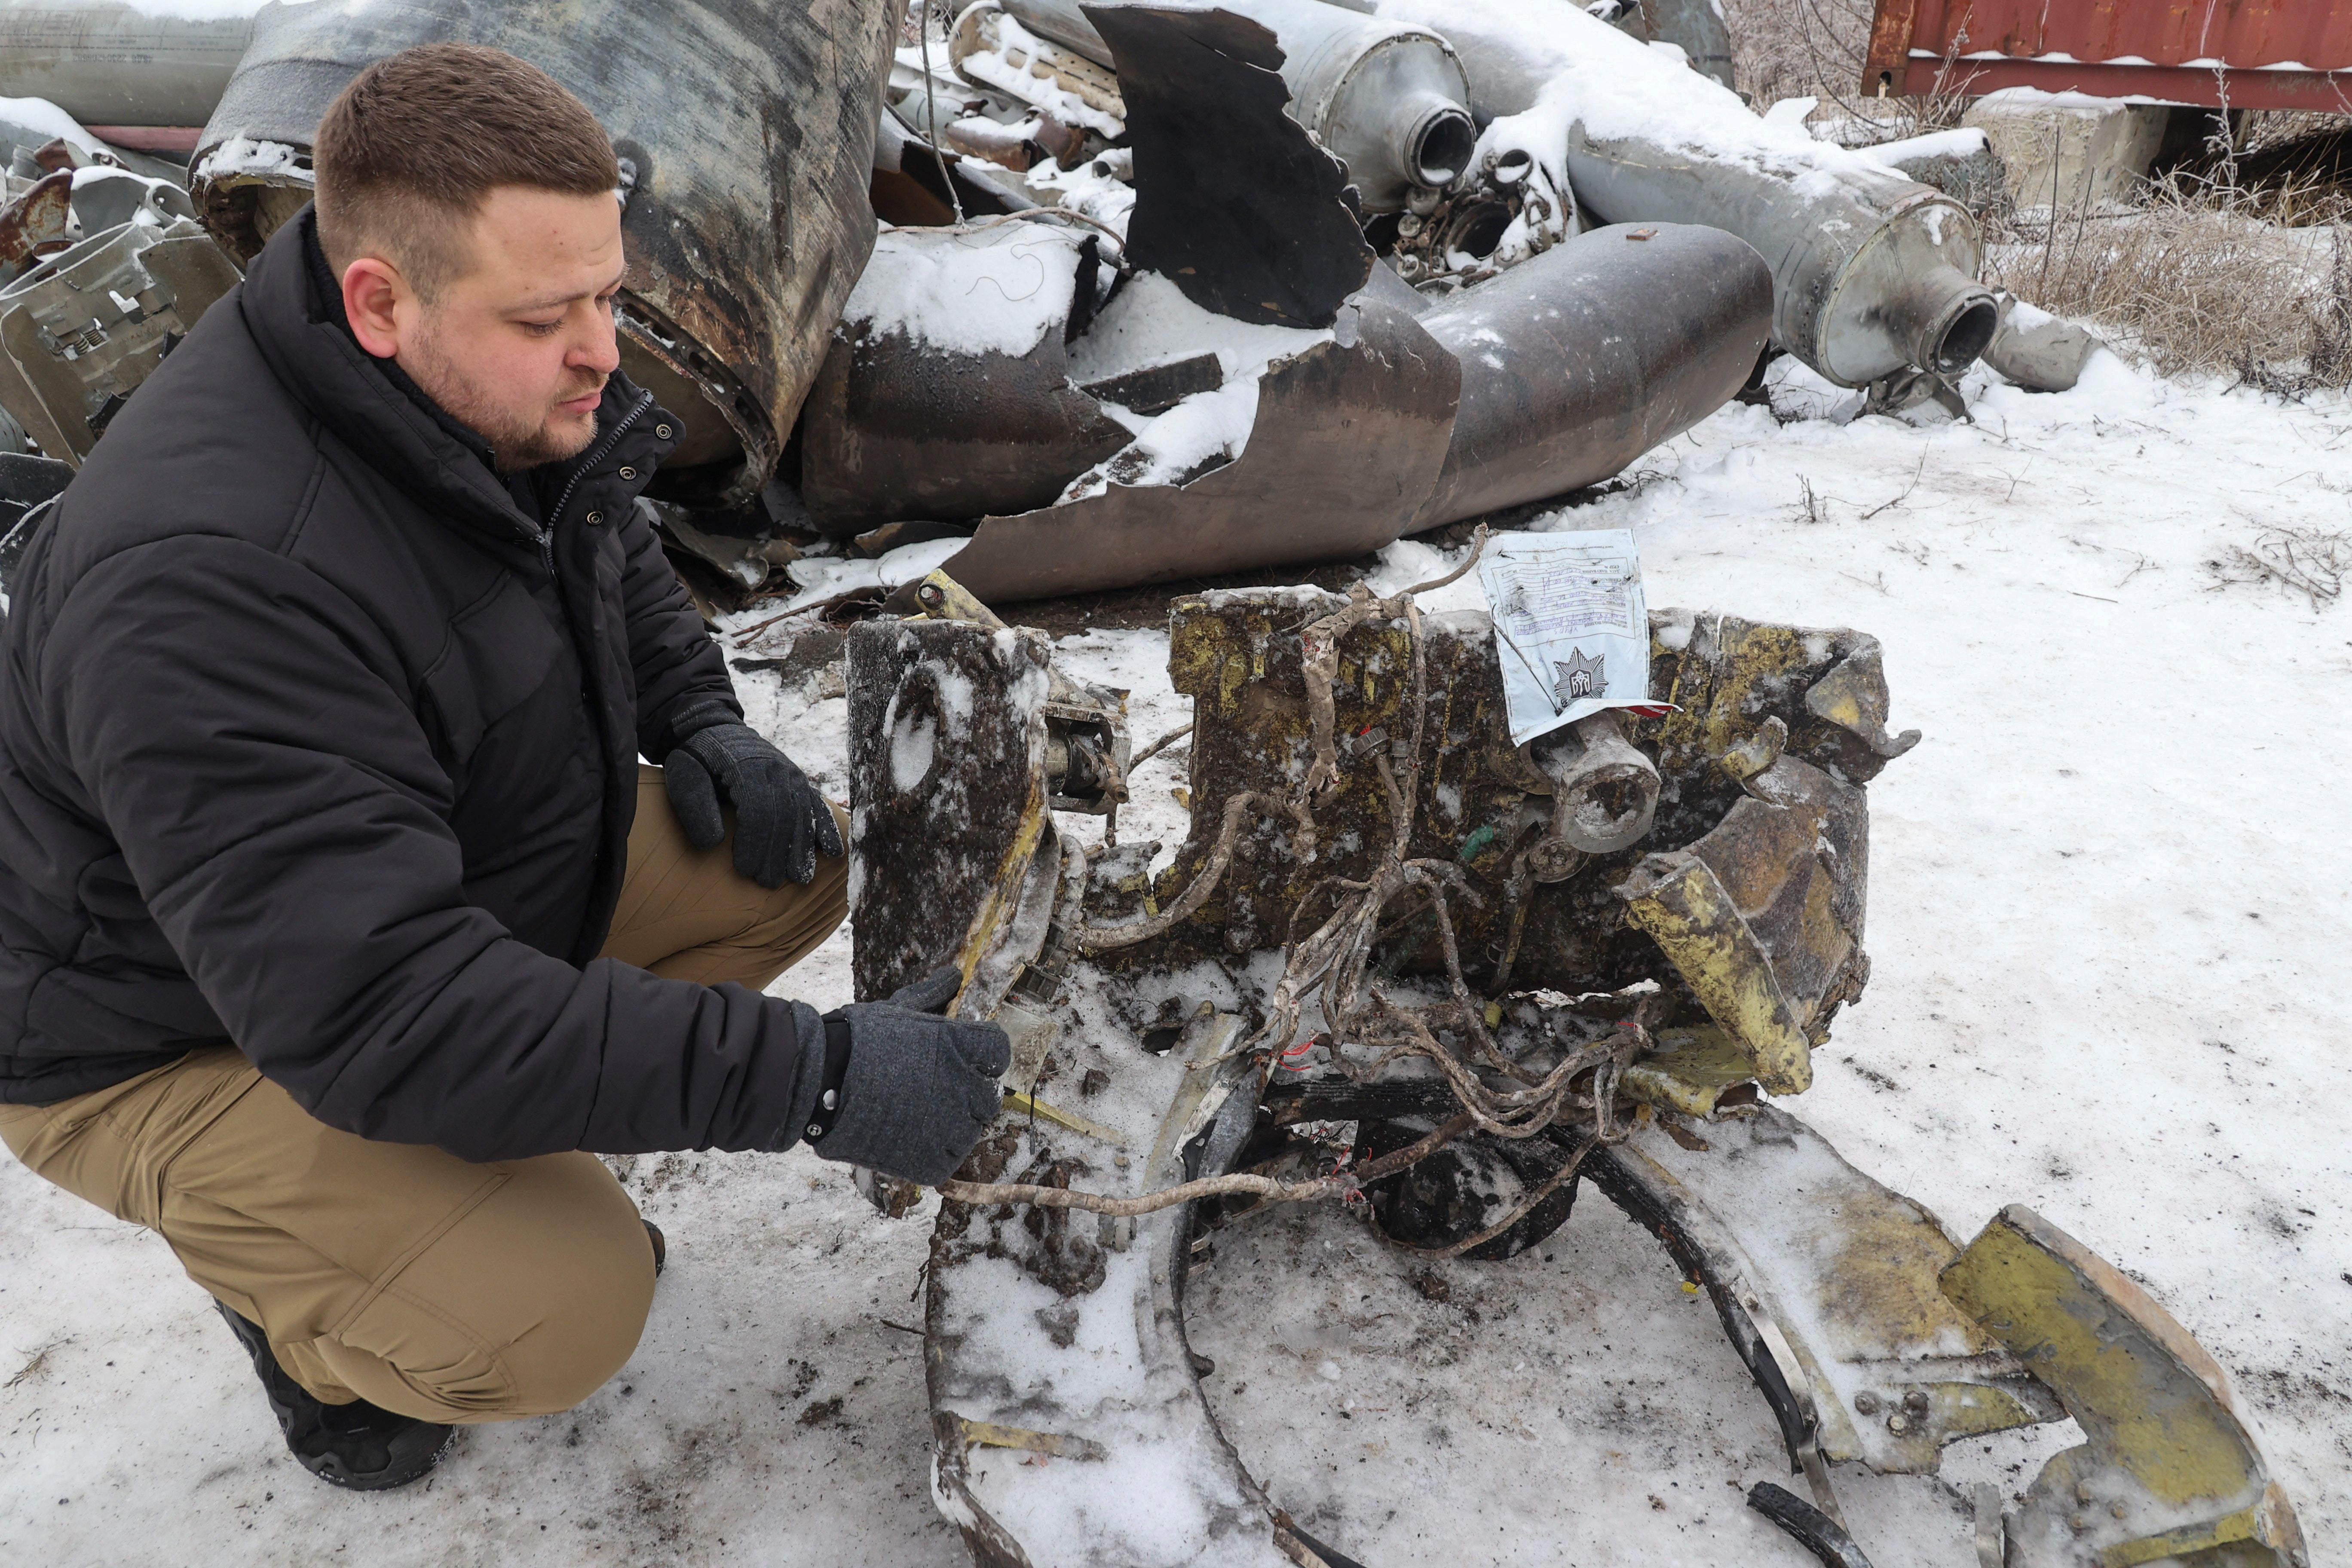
(395,1272)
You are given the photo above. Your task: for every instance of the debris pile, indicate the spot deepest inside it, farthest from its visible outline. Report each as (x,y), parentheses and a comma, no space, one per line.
(1159,291)
(1403,963)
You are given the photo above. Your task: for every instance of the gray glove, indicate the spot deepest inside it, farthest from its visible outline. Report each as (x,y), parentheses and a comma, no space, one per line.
(907,1091)
(781,824)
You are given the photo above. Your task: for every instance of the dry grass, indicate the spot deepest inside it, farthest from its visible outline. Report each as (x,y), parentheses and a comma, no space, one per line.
(2311,562)
(2194,280)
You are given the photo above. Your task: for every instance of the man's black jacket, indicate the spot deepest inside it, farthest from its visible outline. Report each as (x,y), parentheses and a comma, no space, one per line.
(312,741)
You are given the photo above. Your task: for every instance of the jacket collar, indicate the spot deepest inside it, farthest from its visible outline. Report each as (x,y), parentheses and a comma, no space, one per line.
(296,317)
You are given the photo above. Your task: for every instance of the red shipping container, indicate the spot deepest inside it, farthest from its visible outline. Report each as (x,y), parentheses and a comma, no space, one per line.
(2234,54)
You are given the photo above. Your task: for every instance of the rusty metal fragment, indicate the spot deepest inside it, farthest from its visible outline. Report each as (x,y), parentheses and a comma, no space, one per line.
(34,224)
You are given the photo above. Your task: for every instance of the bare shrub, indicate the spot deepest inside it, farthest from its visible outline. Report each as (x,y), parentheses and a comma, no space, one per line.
(1817,48)
(1798,48)
(2192,280)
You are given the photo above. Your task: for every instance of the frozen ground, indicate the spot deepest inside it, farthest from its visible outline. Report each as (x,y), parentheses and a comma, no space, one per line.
(2109,921)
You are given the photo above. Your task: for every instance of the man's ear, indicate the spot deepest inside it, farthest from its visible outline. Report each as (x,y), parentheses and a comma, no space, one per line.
(373,292)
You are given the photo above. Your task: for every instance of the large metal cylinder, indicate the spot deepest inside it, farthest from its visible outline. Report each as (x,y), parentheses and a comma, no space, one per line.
(747,138)
(1576,363)
(110,63)
(1389,100)
(1871,273)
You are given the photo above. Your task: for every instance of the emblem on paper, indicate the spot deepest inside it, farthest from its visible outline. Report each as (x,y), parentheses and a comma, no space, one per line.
(1578,676)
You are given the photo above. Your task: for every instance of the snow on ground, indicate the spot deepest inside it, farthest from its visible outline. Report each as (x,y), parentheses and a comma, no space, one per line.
(2109,919)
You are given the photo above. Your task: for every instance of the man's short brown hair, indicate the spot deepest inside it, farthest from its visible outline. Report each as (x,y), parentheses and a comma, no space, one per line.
(407,153)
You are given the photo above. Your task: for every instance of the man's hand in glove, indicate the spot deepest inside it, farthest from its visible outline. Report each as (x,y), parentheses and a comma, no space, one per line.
(905,1090)
(781,824)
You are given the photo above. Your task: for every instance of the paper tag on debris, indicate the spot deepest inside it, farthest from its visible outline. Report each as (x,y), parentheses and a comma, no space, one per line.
(1570,627)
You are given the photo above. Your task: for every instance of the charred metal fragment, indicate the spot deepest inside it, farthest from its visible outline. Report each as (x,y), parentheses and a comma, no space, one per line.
(1770,1218)
(1238,655)
(1348,436)
(1465,1189)
(1204,95)
(746,220)
(947,812)
(898,427)
(1155,389)
(1820,1534)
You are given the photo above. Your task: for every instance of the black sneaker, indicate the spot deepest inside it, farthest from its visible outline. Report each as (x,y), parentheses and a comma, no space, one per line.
(359,1444)
(661,1247)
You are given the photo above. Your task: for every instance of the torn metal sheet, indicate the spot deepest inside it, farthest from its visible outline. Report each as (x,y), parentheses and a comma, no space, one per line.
(2171,1470)
(106,199)
(2037,349)
(900,427)
(80,332)
(1052,1275)
(1577,362)
(1204,97)
(1847,1270)
(746,218)
(1347,439)
(1763,916)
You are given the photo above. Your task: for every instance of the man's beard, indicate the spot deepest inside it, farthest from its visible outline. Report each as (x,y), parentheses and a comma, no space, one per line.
(517,440)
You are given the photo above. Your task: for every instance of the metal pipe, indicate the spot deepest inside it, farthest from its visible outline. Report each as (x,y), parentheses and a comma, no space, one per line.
(107,63)
(1871,273)
(1604,792)
(745,215)
(1389,98)
(1579,361)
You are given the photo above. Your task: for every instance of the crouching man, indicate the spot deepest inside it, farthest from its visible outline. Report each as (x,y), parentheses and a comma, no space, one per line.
(338,920)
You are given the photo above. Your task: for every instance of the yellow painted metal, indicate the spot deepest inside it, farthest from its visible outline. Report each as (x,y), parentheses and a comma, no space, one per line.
(1689,1070)
(1019,1104)
(1057,1445)
(1695,923)
(2170,1468)
(945,599)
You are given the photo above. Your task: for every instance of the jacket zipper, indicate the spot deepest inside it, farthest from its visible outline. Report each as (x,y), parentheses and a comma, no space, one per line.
(612,438)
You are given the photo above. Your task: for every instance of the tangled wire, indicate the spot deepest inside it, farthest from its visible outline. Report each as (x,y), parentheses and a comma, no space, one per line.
(1369,1029)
